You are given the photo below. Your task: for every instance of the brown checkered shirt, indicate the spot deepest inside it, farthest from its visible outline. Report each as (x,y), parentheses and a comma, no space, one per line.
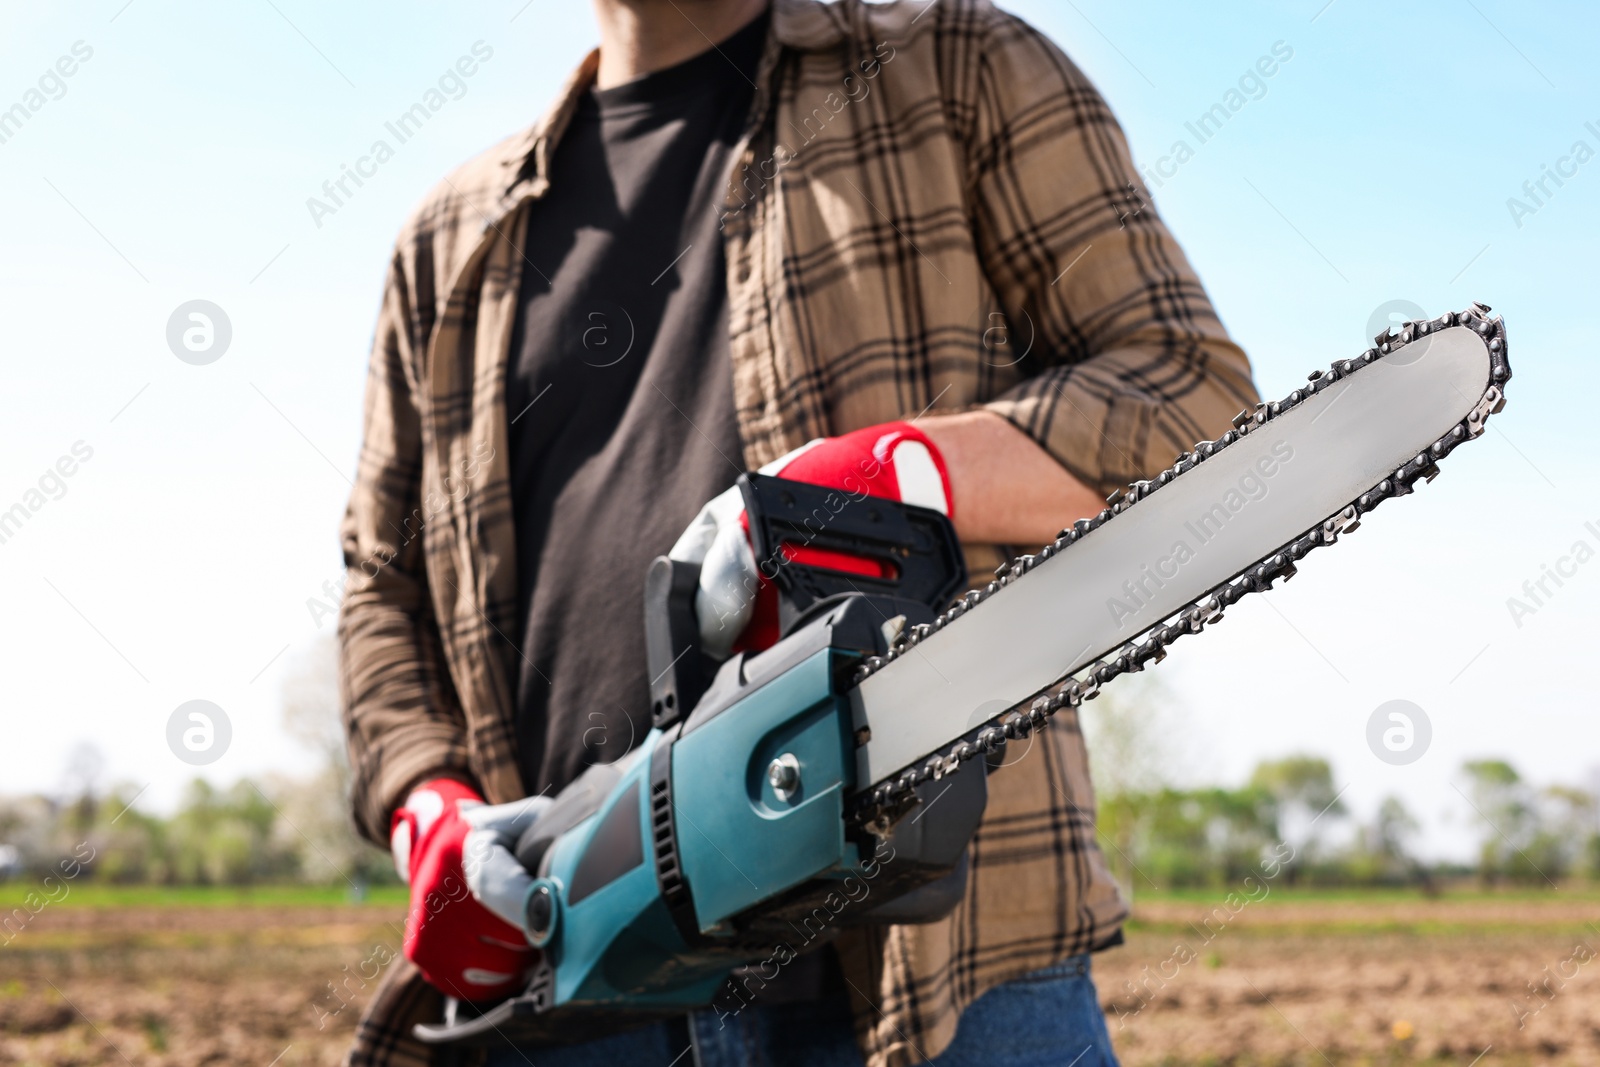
(932,210)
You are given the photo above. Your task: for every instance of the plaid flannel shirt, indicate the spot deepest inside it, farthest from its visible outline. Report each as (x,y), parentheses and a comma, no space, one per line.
(932,210)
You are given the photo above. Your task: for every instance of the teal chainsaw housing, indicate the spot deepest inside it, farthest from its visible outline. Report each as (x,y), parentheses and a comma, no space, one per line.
(619,942)
(724,835)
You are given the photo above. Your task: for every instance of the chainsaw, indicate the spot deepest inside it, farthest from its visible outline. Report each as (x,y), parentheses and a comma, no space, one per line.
(835,779)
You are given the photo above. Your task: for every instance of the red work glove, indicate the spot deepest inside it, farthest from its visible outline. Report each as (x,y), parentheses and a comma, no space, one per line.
(460,947)
(736,605)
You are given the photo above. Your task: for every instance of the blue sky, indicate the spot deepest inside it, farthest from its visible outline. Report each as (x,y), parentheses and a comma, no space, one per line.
(175,163)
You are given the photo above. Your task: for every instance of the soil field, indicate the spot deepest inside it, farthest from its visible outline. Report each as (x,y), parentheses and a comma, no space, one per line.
(1352,980)
(278,978)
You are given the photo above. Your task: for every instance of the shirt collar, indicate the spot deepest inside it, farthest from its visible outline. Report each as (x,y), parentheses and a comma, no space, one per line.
(800,25)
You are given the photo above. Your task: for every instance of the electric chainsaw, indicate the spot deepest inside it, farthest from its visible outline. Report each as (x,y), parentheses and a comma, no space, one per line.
(776,785)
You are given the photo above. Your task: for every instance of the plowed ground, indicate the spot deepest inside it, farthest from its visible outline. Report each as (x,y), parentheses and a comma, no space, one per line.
(1316,981)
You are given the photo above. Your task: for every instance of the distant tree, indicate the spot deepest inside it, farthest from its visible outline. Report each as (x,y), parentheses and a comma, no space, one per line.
(1192,837)
(1306,780)
(310,698)
(1511,825)
(33,826)
(1303,796)
(1392,829)
(1382,853)
(1568,818)
(1133,734)
(225,837)
(81,783)
(130,846)
(316,821)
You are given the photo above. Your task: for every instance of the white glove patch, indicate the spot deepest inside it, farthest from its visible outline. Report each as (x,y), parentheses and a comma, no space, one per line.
(494,876)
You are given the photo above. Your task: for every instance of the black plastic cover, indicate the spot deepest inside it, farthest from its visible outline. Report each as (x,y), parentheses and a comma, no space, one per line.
(679,671)
(916,548)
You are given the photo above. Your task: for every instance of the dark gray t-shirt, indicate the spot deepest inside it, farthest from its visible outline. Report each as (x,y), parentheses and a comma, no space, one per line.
(620,395)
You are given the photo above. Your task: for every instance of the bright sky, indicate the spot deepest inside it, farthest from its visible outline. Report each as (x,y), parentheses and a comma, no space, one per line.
(175,161)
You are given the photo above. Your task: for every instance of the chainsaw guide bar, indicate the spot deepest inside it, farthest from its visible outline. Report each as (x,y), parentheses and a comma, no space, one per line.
(1295,486)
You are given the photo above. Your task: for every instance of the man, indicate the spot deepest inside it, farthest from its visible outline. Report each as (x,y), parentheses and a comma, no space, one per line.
(911,229)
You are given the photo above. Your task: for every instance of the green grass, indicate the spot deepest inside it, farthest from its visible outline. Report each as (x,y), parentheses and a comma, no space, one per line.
(1462,892)
(88,894)
(1457,911)
(84,894)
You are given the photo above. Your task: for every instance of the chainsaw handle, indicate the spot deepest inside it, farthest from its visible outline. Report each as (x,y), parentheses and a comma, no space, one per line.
(580,799)
(918,555)
(917,550)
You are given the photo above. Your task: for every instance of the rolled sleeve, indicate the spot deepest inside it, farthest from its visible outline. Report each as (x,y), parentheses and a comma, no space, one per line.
(1129,364)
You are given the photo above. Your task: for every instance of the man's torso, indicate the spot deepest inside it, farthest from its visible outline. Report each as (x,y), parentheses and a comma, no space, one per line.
(619,399)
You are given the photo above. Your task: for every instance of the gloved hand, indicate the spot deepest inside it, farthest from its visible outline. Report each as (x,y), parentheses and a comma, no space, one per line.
(736,605)
(497,879)
(461,946)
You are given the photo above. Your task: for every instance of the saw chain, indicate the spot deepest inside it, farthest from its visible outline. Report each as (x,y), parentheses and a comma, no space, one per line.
(877,809)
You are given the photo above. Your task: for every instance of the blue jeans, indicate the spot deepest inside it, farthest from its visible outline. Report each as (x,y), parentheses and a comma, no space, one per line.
(1049,1018)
